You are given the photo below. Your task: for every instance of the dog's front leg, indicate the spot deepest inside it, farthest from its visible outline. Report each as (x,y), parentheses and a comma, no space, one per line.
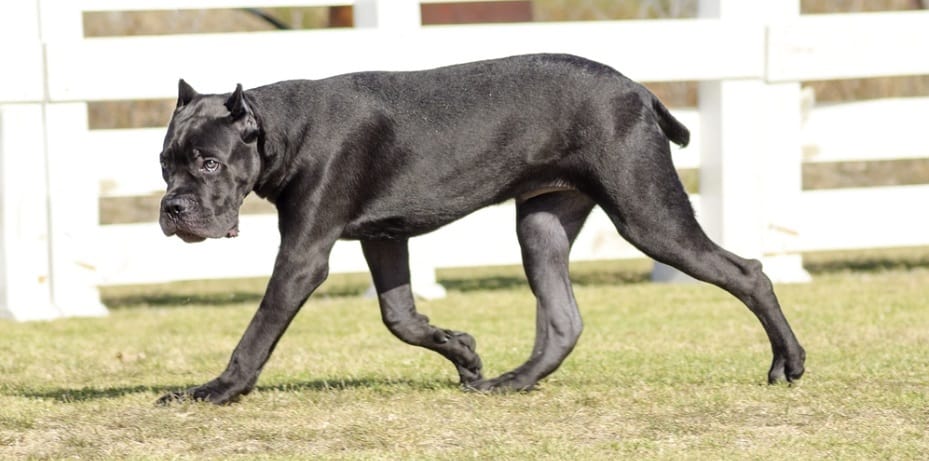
(296,275)
(389,264)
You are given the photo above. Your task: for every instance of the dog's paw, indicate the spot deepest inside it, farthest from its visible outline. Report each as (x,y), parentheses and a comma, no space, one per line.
(213,392)
(463,355)
(468,375)
(507,382)
(787,367)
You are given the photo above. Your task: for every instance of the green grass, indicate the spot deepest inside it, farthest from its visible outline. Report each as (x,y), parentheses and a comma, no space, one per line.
(661,372)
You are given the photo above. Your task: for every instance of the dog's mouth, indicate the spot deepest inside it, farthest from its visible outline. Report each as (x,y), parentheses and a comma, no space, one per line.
(189,235)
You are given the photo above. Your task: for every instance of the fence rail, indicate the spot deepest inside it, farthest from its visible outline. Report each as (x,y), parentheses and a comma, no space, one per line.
(211,61)
(750,137)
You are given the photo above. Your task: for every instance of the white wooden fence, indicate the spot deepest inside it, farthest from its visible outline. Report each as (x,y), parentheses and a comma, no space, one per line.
(749,56)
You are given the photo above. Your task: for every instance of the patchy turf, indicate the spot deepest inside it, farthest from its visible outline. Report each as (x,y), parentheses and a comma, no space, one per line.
(661,372)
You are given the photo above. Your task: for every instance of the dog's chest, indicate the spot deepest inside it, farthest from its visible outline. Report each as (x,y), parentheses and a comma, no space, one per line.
(390,227)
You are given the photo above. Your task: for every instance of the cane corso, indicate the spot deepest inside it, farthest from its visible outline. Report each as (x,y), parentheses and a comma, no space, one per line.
(384,156)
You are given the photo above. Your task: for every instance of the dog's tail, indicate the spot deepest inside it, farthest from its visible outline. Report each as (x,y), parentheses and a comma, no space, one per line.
(672,128)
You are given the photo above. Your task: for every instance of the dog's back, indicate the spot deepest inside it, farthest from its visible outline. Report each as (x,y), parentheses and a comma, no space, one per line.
(465,136)
(520,89)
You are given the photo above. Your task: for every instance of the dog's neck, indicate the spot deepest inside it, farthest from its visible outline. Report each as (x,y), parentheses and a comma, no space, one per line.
(274,153)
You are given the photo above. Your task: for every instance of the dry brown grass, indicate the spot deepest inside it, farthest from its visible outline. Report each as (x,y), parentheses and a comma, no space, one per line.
(661,372)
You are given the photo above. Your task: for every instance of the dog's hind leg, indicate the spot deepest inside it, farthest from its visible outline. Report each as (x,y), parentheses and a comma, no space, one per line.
(547,226)
(389,264)
(650,208)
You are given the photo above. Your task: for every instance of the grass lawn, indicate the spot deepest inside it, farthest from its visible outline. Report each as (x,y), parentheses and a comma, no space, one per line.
(661,372)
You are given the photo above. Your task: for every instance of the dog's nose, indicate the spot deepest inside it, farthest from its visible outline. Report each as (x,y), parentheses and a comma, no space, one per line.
(175,205)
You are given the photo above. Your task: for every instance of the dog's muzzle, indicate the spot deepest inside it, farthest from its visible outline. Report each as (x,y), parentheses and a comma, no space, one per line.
(178,217)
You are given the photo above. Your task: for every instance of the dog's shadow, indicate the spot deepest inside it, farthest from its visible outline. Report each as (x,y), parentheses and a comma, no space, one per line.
(85,394)
(89,393)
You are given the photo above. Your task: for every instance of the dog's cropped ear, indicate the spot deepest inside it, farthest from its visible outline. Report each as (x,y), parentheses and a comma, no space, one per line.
(236,103)
(185,93)
(240,112)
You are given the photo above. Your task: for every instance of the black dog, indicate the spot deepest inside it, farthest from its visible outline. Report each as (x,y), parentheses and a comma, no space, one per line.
(383,156)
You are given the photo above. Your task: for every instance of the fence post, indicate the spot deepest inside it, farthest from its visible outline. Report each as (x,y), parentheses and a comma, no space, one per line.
(24,279)
(24,276)
(73,211)
(749,171)
(387,14)
(782,165)
(397,16)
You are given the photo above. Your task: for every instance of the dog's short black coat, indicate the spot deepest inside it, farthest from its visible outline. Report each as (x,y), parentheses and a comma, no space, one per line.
(384,156)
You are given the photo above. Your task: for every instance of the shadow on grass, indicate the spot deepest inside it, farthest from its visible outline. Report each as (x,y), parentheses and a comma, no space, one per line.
(867,261)
(208,297)
(590,273)
(86,394)
(205,293)
(342,384)
(179,299)
(500,282)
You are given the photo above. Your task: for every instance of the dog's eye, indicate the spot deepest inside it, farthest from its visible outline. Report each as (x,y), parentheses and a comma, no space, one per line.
(210,165)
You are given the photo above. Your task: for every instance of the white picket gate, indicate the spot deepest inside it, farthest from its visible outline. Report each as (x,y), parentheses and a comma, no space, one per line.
(748,55)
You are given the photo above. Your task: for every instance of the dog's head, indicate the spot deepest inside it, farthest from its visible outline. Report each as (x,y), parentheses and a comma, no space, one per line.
(210,162)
